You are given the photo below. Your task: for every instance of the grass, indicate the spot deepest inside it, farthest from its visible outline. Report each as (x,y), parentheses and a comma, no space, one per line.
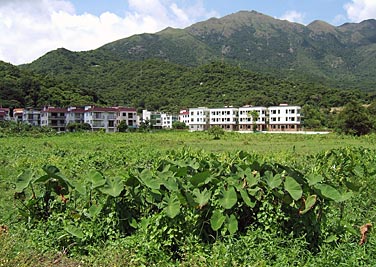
(109,153)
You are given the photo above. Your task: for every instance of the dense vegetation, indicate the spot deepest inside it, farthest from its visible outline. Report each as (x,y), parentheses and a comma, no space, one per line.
(20,88)
(157,85)
(340,57)
(74,200)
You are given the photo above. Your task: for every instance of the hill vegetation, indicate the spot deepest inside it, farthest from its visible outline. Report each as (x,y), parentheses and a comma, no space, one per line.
(158,85)
(243,58)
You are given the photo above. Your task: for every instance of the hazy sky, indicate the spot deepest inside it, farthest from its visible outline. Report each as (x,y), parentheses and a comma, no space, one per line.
(31,28)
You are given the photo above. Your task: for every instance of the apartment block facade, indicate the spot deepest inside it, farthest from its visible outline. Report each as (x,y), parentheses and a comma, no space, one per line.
(227,118)
(284,118)
(4,114)
(199,119)
(54,118)
(253,118)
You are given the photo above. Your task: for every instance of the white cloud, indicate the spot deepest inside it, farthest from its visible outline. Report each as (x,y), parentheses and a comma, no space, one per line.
(293,16)
(358,10)
(32,28)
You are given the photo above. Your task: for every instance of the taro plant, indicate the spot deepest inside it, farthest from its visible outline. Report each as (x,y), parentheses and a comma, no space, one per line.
(183,194)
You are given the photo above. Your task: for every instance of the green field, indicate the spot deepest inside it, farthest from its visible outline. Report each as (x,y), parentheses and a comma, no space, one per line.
(183,199)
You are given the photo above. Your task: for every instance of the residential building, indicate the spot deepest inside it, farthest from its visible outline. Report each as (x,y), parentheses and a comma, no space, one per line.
(54,118)
(184,116)
(4,114)
(226,118)
(284,118)
(75,115)
(18,114)
(129,115)
(154,118)
(246,120)
(167,120)
(31,116)
(199,119)
(101,118)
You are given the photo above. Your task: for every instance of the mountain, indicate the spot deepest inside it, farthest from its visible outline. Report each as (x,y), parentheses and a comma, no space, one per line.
(243,58)
(342,56)
(337,56)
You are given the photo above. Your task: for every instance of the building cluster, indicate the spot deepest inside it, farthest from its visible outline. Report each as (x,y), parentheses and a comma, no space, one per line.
(247,118)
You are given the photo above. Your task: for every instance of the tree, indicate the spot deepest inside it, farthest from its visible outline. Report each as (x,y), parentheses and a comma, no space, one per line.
(254,115)
(216,131)
(122,127)
(354,119)
(179,125)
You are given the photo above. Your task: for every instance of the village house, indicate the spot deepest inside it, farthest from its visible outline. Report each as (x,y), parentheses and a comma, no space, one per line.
(4,114)
(129,115)
(199,119)
(101,118)
(247,121)
(54,118)
(284,118)
(75,115)
(226,118)
(168,120)
(184,116)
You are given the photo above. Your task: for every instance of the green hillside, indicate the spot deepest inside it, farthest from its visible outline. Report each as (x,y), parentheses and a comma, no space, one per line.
(243,58)
(160,85)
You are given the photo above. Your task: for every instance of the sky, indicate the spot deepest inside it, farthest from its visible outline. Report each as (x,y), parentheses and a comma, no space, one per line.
(31,28)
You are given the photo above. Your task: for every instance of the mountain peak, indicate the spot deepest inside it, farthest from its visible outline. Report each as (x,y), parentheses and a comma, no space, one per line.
(319,26)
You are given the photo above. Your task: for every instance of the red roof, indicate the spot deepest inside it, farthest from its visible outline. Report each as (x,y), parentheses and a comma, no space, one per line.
(77,110)
(126,109)
(51,109)
(100,109)
(4,109)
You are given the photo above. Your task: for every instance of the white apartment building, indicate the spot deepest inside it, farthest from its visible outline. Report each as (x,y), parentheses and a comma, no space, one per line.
(226,118)
(284,118)
(154,118)
(4,114)
(246,121)
(18,114)
(167,120)
(54,118)
(199,119)
(184,116)
(129,115)
(100,118)
(75,115)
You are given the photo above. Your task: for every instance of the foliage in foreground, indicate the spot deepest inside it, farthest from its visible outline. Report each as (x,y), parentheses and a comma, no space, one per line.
(182,197)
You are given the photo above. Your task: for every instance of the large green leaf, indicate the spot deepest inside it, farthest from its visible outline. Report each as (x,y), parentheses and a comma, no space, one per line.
(314,179)
(217,219)
(94,210)
(112,187)
(200,178)
(229,198)
(80,187)
(252,179)
(273,181)
(232,224)
(246,198)
(293,187)
(147,178)
(171,184)
(328,191)
(95,178)
(172,206)
(23,180)
(309,203)
(201,198)
(75,231)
